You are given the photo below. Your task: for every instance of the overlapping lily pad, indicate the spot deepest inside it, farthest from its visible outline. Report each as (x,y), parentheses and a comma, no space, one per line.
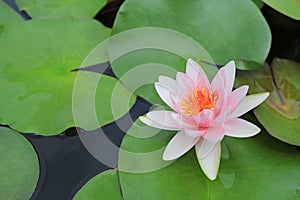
(290,8)
(103,186)
(19,169)
(36,77)
(7,15)
(220,30)
(280,114)
(255,168)
(259,3)
(61,8)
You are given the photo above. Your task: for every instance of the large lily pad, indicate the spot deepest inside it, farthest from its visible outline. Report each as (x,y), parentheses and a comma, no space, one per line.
(37,81)
(197,29)
(7,15)
(19,168)
(103,186)
(222,35)
(139,58)
(290,8)
(61,8)
(280,114)
(254,168)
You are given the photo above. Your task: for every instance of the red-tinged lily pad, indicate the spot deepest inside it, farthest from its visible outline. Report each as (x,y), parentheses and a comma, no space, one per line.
(61,8)
(37,81)
(250,168)
(280,114)
(19,169)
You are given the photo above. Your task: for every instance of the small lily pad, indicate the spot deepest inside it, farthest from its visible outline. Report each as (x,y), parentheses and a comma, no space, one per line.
(61,8)
(290,8)
(280,114)
(37,80)
(19,168)
(250,169)
(103,186)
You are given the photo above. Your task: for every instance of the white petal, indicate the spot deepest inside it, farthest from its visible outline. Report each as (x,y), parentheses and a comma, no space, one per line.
(215,132)
(151,123)
(224,79)
(204,147)
(248,103)
(229,70)
(183,122)
(165,94)
(235,97)
(240,128)
(179,145)
(195,133)
(218,88)
(204,118)
(162,119)
(185,84)
(210,164)
(196,73)
(169,82)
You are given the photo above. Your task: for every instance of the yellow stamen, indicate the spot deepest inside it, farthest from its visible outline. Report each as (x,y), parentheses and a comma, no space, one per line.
(197,101)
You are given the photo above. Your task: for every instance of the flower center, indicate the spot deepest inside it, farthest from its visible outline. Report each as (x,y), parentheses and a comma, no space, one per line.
(197,101)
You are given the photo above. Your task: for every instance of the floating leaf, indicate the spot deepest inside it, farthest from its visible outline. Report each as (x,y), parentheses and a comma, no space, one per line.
(290,8)
(8,15)
(37,81)
(280,113)
(258,3)
(103,186)
(212,31)
(61,8)
(138,70)
(19,168)
(250,169)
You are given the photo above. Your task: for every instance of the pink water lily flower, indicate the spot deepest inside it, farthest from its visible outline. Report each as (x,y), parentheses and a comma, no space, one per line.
(203,113)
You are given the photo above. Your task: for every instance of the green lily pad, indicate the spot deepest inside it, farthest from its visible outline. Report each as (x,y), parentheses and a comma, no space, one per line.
(254,168)
(37,82)
(290,8)
(258,3)
(103,186)
(138,70)
(217,33)
(8,15)
(280,113)
(161,34)
(19,168)
(61,8)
